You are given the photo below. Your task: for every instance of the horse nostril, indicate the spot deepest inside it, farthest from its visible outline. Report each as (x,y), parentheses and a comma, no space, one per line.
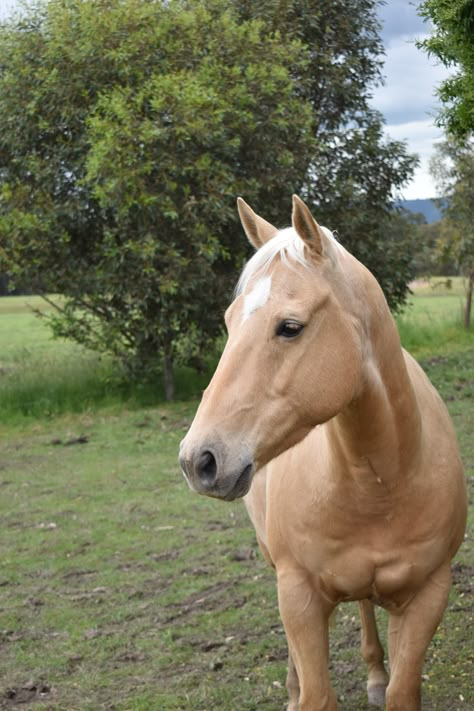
(207,468)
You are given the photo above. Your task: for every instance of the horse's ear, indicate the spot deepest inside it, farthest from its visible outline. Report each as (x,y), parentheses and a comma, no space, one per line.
(257,229)
(307,227)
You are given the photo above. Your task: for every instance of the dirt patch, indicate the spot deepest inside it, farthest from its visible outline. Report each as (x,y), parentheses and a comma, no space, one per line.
(168,555)
(72,574)
(80,439)
(463,578)
(214,597)
(26,694)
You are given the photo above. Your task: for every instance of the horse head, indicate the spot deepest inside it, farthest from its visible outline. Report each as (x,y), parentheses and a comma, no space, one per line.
(293,357)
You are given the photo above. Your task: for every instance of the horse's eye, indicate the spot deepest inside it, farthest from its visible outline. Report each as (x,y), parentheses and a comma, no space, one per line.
(289,329)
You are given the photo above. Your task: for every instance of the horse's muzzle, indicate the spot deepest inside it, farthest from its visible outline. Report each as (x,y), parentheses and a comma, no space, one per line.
(215,470)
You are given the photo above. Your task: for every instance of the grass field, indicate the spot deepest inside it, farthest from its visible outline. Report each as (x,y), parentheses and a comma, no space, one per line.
(433,321)
(121,590)
(44,377)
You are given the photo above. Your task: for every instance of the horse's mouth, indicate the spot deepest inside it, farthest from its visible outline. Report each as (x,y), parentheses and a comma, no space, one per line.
(242,485)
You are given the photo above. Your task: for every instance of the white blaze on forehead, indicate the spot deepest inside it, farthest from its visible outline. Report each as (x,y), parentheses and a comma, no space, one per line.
(258,297)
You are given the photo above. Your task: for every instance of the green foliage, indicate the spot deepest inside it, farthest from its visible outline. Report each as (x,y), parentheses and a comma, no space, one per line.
(427,261)
(355,172)
(453,168)
(42,377)
(128,127)
(344,50)
(361,208)
(452,41)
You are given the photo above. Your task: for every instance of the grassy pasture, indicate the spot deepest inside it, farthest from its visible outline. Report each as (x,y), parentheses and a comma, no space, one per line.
(41,376)
(433,319)
(121,590)
(44,377)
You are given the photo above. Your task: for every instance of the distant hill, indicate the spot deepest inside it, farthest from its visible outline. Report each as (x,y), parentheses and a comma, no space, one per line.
(426,207)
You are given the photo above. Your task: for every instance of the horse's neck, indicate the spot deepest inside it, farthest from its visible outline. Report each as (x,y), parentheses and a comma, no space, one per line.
(380,430)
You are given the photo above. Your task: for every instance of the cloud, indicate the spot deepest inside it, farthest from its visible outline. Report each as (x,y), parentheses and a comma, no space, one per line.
(400,17)
(6,6)
(420,137)
(408,98)
(411,79)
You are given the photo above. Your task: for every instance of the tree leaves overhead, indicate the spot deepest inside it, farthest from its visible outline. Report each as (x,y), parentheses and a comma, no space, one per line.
(452,42)
(356,174)
(128,128)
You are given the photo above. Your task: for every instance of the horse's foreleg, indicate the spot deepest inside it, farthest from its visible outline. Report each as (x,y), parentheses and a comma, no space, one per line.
(292,682)
(305,615)
(411,634)
(372,653)
(292,685)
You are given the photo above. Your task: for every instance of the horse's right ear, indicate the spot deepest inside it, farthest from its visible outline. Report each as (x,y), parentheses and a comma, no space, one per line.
(257,229)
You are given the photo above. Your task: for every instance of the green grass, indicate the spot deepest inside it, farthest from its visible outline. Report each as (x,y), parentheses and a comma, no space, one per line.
(120,589)
(44,377)
(432,322)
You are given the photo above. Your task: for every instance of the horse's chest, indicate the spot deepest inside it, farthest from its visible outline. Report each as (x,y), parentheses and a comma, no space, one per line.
(395,584)
(389,579)
(353,557)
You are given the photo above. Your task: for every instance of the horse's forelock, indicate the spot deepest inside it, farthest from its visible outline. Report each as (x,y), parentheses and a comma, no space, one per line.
(288,245)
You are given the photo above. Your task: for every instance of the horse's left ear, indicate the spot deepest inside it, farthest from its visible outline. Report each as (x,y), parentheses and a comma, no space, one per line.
(307,227)
(257,229)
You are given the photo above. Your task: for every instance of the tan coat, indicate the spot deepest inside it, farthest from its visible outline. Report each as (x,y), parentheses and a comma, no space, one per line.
(345,454)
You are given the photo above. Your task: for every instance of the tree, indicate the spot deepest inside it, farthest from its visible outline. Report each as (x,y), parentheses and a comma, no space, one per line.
(356,174)
(453,169)
(358,201)
(429,261)
(128,127)
(452,42)
(126,130)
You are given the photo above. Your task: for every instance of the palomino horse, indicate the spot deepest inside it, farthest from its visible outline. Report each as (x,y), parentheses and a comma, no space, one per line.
(344,452)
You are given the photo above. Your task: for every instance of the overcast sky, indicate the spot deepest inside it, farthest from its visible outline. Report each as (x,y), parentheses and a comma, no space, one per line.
(407,100)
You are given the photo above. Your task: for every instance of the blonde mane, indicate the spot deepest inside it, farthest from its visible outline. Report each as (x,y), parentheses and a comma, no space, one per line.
(286,244)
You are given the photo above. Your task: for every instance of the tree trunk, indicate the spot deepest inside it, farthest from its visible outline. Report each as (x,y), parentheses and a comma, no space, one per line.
(468,309)
(168,378)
